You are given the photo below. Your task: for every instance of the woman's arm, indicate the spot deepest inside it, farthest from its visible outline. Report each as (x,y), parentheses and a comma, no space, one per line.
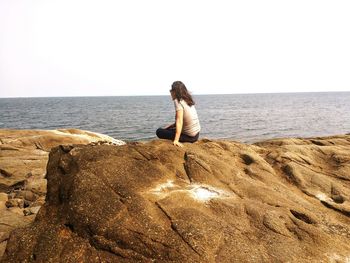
(178,123)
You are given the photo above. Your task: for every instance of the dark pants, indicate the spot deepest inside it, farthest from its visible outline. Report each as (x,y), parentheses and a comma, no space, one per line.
(169,134)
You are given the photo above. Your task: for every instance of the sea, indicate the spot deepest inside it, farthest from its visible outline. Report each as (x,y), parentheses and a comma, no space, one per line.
(240,117)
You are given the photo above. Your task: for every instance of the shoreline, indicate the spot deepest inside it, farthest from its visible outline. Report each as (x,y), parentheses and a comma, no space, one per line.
(109,137)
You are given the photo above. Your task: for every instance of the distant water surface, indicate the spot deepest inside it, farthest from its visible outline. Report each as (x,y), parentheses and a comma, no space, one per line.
(242,117)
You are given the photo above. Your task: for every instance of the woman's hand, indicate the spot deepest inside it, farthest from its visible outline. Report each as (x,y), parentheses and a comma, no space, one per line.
(177,143)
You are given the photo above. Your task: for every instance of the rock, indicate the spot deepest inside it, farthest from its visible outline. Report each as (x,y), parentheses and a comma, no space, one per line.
(4,236)
(23,159)
(11,203)
(16,210)
(5,173)
(17,202)
(3,200)
(3,197)
(31,210)
(29,195)
(39,202)
(10,219)
(36,186)
(2,247)
(3,241)
(26,151)
(27,203)
(27,212)
(211,201)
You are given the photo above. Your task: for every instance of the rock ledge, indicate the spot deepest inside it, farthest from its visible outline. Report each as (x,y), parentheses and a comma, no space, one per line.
(213,201)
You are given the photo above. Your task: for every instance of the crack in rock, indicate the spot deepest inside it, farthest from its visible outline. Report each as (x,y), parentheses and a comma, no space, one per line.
(174,228)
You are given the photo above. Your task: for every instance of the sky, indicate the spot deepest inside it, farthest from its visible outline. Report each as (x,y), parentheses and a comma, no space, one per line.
(137,47)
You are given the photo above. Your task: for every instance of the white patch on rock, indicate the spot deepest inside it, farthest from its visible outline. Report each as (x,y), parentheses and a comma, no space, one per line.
(198,192)
(323,197)
(89,136)
(203,193)
(334,258)
(164,186)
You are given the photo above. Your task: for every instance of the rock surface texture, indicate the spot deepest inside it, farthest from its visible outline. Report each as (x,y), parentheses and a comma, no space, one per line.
(23,160)
(284,200)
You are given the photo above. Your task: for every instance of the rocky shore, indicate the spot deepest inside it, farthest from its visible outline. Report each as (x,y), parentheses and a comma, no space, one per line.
(23,159)
(282,200)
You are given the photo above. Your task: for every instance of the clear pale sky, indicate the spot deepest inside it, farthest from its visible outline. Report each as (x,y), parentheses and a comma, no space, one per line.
(102,48)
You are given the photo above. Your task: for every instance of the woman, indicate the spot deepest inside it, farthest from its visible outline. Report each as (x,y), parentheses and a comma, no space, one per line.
(186,127)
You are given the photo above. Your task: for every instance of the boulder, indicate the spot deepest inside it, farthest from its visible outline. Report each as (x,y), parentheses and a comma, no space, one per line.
(211,201)
(23,160)
(24,153)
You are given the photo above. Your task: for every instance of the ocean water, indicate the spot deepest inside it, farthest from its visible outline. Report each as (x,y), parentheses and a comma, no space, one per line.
(240,117)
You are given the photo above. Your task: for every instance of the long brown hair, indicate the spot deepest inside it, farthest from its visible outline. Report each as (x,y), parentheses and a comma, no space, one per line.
(181,93)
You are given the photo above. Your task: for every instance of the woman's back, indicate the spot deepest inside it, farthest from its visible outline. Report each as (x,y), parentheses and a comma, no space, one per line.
(191,125)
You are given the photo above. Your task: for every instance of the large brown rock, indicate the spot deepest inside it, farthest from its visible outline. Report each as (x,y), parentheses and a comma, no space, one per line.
(212,201)
(24,153)
(23,160)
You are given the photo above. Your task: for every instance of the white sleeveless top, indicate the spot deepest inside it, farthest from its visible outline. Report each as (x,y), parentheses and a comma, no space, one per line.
(191,124)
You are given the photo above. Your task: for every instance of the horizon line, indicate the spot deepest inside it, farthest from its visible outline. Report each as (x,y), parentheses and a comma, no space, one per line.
(150,95)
